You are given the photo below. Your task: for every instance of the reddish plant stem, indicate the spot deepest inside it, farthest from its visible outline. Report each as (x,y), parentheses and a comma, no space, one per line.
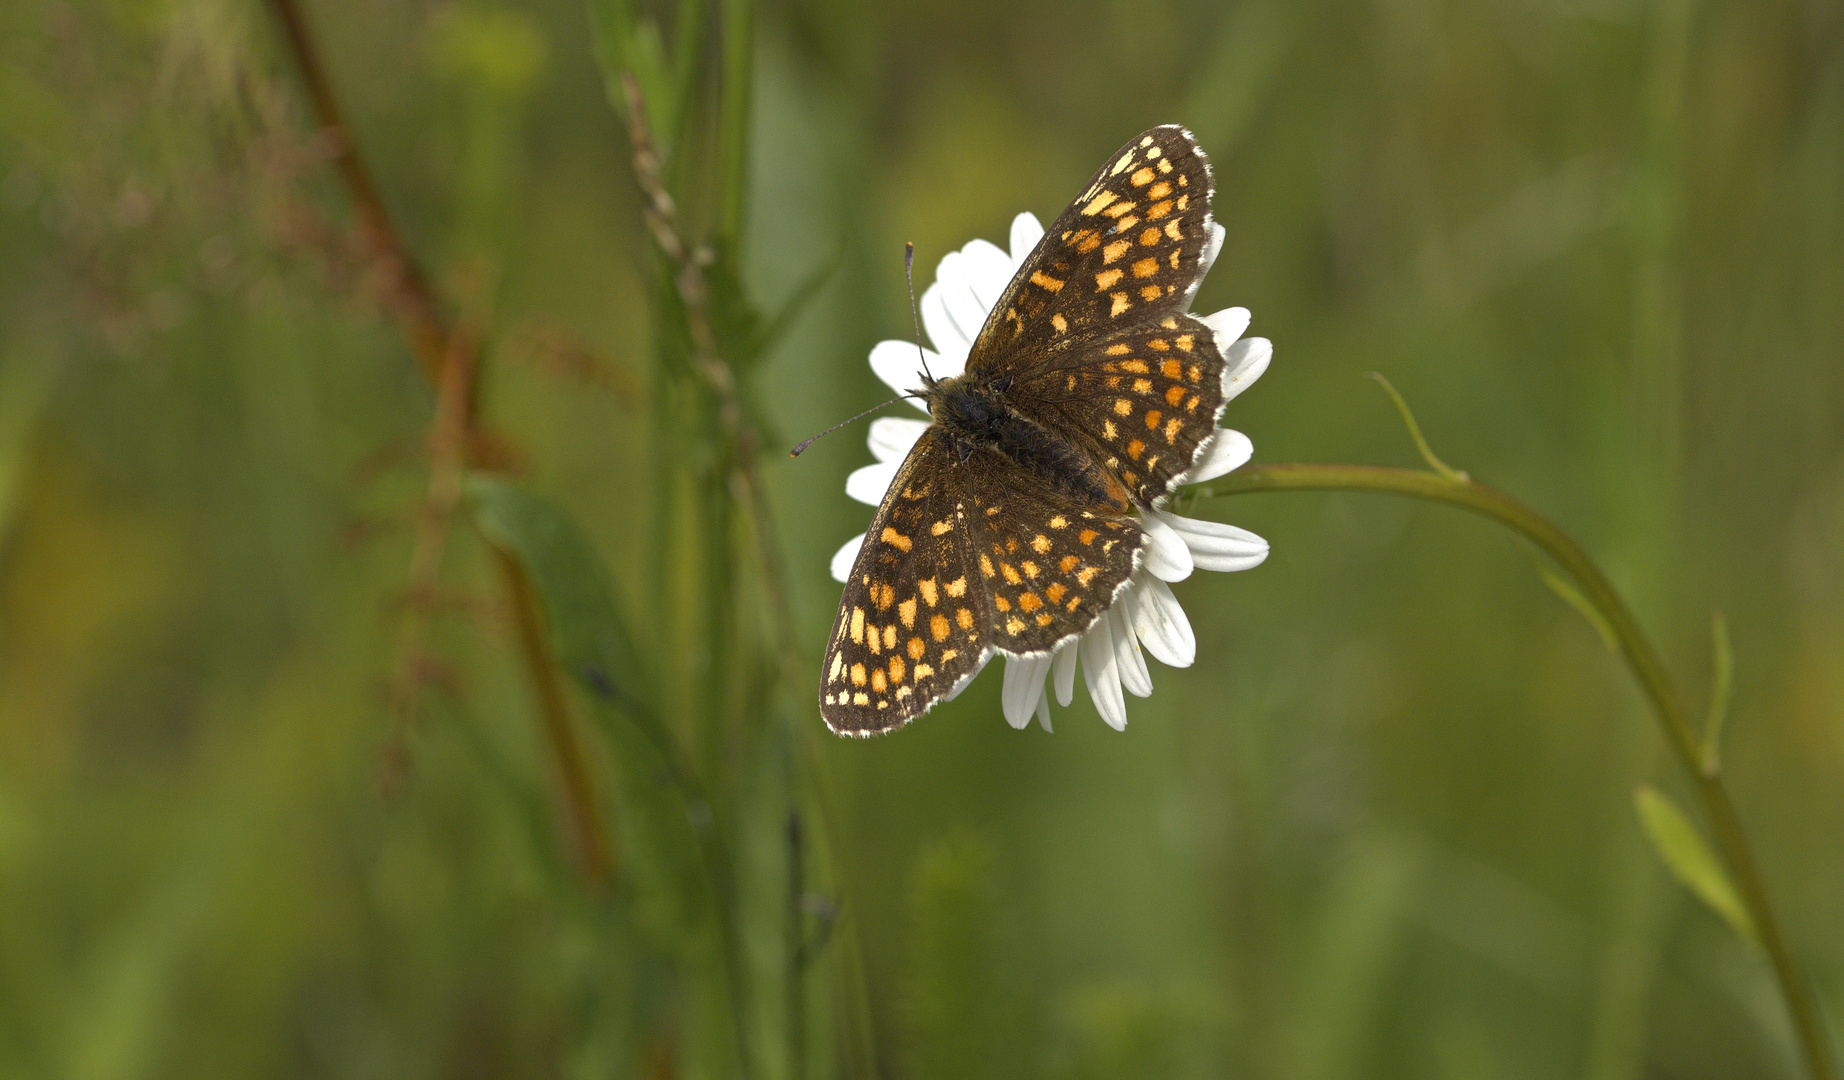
(447,358)
(586,828)
(405,287)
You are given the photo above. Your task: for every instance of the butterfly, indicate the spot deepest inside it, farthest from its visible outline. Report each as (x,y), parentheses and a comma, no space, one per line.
(1013,523)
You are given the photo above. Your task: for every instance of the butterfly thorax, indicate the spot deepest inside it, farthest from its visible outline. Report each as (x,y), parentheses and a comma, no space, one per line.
(979,414)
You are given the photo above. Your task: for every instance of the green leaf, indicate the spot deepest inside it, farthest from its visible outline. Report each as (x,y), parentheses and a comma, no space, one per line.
(621,43)
(611,33)
(1690,859)
(735,322)
(661,799)
(1722,683)
(735,89)
(1408,420)
(588,633)
(1573,597)
(797,304)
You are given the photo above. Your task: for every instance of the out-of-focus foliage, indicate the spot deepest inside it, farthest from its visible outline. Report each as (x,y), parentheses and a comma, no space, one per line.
(1384,827)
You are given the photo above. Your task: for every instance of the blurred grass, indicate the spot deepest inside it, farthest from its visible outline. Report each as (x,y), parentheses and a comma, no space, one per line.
(1383,828)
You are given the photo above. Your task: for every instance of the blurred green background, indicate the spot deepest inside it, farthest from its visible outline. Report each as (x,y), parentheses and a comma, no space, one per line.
(1384,827)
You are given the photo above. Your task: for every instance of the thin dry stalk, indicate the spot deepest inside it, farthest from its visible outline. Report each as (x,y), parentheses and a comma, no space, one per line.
(662,218)
(448,358)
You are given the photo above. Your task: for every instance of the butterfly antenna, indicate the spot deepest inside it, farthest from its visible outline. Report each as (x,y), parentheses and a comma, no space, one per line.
(797,450)
(915,320)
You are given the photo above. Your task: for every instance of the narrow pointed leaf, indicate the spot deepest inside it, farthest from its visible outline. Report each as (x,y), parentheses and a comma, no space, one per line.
(735,322)
(589,635)
(1573,597)
(591,642)
(796,305)
(1722,683)
(624,44)
(1689,858)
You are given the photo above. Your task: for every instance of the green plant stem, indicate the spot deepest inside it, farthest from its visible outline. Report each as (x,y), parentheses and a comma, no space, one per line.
(734,95)
(1725,823)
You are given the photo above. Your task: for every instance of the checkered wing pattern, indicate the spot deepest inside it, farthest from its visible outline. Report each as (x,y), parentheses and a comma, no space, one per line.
(1128,250)
(960,559)
(912,624)
(1109,389)
(1142,399)
(1051,565)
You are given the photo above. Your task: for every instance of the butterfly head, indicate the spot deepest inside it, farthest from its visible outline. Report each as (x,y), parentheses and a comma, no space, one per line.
(968,407)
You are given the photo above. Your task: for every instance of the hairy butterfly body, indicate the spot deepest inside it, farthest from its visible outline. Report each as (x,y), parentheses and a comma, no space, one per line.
(1013,523)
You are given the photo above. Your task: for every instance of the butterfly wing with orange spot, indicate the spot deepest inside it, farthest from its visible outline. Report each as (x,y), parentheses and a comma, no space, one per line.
(961,559)
(1051,563)
(1141,400)
(1127,251)
(912,623)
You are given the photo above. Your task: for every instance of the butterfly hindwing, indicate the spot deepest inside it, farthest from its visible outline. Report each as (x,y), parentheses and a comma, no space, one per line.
(1129,249)
(960,560)
(1143,398)
(1050,564)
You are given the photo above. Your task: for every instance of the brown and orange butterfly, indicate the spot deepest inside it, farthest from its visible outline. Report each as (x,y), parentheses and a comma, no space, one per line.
(1011,526)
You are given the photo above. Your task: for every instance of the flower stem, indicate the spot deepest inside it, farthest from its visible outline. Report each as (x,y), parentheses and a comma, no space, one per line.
(1680,732)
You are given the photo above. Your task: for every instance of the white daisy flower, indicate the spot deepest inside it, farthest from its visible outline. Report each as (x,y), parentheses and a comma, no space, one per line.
(1145,616)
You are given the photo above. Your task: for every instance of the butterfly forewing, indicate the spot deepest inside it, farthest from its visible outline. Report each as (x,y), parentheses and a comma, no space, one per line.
(1127,250)
(913,621)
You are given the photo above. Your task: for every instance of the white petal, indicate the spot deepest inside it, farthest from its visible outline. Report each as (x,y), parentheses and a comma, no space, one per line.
(1026,232)
(1102,675)
(1205,261)
(1161,623)
(899,366)
(1024,687)
(955,280)
(1134,677)
(944,333)
(1216,546)
(868,484)
(892,437)
(1063,671)
(1043,713)
(1164,556)
(1227,326)
(967,679)
(989,271)
(843,559)
(1247,358)
(1223,451)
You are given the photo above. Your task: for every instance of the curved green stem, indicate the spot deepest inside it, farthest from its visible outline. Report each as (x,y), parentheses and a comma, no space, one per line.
(1725,822)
